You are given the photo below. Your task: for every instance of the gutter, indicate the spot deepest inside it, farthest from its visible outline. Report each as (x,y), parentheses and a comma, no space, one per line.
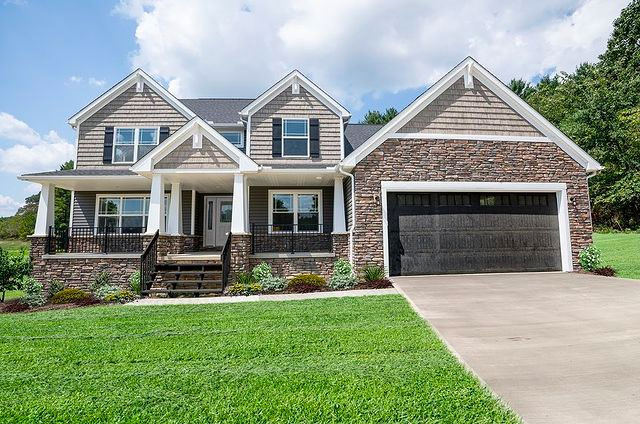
(353,208)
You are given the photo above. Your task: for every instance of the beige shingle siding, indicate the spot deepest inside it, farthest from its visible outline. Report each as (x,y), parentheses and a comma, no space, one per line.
(186,157)
(469,111)
(130,109)
(287,105)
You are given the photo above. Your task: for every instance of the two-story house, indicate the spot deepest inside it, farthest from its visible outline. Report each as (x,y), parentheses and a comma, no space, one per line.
(467,178)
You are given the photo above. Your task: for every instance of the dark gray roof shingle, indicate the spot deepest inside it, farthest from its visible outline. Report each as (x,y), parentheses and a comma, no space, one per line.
(82,172)
(356,134)
(218,111)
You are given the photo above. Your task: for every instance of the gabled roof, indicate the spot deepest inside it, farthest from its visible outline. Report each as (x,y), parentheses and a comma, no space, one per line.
(356,134)
(468,69)
(133,78)
(194,126)
(284,83)
(217,111)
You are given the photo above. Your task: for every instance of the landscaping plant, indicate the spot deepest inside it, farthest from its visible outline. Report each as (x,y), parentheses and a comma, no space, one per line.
(120,296)
(34,295)
(241,289)
(372,273)
(104,291)
(101,280)
(134,282)
(273,284)
(590,258)
(306,283)
(54,287)
(342,278)
(68,296)
(261,272)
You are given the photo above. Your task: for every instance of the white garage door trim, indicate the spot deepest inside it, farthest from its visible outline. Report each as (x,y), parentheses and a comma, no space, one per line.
(463,186)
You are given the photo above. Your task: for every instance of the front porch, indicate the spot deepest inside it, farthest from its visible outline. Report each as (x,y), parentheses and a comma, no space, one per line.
(225,222)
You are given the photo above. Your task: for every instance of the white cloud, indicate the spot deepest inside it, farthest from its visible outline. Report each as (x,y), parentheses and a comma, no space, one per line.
(28,151)
(14,2)
(8,205)
(359,47)
(91,80)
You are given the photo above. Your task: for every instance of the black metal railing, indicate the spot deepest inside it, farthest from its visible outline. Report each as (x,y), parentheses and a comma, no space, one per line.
(266,238)
(225,257)
(148,263)
(95,240)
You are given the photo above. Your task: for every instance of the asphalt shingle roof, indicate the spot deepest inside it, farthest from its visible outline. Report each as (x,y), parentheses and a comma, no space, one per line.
(82,172)
(356,134)
(218,111)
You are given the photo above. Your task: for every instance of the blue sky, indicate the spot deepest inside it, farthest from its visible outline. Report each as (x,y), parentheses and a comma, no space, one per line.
(58,56)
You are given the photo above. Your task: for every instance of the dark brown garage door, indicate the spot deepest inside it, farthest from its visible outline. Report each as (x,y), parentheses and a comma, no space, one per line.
(441,233)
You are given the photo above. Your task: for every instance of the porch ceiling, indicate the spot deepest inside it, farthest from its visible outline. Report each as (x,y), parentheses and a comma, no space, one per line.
(204,183)
(275,178)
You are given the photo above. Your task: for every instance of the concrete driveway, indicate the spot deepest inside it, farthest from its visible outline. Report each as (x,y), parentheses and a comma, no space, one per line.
(556,347)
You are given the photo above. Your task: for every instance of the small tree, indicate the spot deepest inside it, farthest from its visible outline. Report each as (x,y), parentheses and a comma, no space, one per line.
(13,269)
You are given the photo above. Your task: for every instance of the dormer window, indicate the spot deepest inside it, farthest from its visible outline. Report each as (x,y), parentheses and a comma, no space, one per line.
(130,144)
(295,137)
(235,137)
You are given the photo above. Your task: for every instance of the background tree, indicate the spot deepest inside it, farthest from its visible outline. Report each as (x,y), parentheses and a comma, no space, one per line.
(375,117)
(521,87)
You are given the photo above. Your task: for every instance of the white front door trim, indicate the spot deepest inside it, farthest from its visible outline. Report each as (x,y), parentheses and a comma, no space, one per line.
(560,189)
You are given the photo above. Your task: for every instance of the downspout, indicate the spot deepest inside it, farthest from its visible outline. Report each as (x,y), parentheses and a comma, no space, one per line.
(353,209)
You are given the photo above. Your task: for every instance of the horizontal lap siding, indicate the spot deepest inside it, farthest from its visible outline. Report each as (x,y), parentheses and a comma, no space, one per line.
(130,109)
(290,105)
(259,204)
(469,111)
(186,212)
(186,157)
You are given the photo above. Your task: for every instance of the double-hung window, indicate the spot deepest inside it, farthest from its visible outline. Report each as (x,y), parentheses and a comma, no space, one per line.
(130,144)
(295,137)
(296,211)
(235,137)
(125,213)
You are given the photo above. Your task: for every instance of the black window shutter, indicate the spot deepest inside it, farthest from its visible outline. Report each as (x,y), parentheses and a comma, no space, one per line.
(164,134)
(314,138)
(276,145)
(107,153)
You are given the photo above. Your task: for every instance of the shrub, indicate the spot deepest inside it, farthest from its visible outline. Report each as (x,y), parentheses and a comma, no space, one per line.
(305,283)
(120,296)
(244,278)
(240,289)
(34,295)
(134,282)
(590,258)
(273,283)
(342,267)
(104,291)
(54,287)
(372,273)
(101,280)
(68,296)
(342,281)
(606,271)
(261,272)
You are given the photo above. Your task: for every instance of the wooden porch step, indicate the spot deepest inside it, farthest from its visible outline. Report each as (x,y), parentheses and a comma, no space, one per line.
(199,282)
(182,291)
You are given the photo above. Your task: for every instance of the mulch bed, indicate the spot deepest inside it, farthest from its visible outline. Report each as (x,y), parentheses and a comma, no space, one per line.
(379,284)
(14,306)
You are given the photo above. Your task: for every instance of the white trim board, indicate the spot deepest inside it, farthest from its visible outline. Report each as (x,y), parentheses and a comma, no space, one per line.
(560,189)
(466,69)
(137,76)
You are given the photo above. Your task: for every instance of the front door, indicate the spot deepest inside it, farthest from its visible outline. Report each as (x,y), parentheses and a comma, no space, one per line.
(217,220)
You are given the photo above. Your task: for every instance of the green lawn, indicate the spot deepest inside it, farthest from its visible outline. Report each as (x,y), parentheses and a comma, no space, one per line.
(621,251)
(14,245)
(368,359)
(12,294)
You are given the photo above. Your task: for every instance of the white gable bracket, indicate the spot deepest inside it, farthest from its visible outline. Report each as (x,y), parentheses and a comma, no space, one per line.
(468,76)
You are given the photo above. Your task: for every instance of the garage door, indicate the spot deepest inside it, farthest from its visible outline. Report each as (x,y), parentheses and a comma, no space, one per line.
(440,233)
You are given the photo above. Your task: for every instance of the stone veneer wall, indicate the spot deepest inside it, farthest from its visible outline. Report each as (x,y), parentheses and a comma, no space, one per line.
(79,272)
(243,261)
(446,160)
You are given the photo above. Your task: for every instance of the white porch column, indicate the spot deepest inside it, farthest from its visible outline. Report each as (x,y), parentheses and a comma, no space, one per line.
(239,205)
(46,210)
(156,205)
(175,210)
(339,223)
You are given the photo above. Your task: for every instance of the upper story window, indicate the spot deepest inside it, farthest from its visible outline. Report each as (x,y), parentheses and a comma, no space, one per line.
(235,137)
(130,144)
(295,137)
